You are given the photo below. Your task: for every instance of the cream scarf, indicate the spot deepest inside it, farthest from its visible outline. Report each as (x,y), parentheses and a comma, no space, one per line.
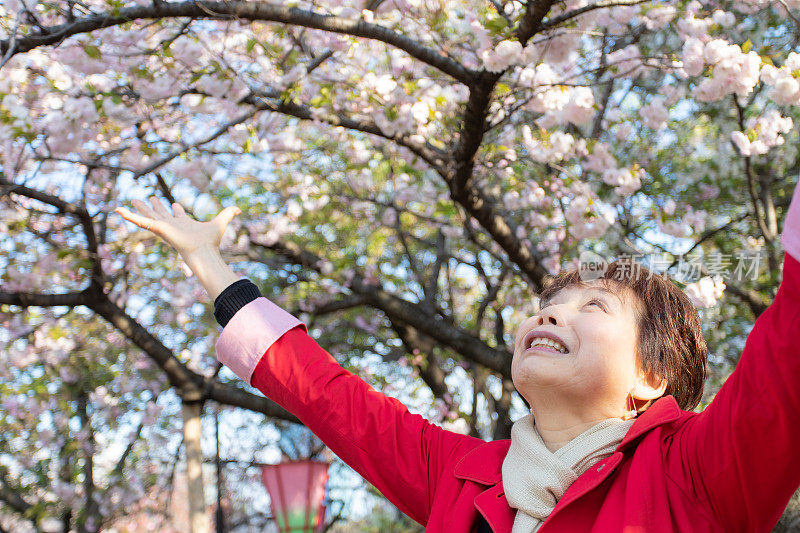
(534,478)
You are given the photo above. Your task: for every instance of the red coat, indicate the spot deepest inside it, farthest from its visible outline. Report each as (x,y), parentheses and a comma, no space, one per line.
(732,467)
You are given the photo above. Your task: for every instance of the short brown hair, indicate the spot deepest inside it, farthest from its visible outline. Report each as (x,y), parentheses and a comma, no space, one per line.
(670,343)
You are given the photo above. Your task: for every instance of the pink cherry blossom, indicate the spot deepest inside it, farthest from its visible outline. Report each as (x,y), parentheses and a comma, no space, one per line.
(627,61)
(658,17)
(696,220)
(765,132)
(692,26)
(580,107)
(187,51)
(726,19)
(708,191)
(674,228)
(733,72)
(654,114)
(600,159)
(154,90)
(530,54)
(786,90)
(74,55)
(705,292)
(557,147)
(561,48)
(624,180)
(502,56)
(693,57)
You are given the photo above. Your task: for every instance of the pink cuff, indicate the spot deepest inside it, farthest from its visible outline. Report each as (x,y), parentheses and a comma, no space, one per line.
(249,334)
(791,226)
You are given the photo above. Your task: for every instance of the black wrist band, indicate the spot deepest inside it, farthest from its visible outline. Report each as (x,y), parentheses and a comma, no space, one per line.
(234,297)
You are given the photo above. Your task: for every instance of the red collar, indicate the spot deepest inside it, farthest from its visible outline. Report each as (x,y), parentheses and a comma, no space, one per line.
(664,411)
(483,464)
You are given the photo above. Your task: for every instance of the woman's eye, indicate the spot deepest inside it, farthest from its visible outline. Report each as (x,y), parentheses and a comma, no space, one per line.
(597,303)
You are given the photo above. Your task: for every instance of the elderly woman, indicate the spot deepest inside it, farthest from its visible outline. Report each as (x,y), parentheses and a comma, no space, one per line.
(610,367)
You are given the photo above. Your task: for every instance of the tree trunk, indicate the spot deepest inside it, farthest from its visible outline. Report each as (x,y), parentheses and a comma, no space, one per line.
(220,514)
(198,518)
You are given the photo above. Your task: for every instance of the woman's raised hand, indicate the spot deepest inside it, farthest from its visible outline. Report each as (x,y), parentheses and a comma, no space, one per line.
(181,231)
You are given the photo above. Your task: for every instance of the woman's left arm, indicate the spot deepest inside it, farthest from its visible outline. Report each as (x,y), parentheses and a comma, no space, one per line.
(740,454)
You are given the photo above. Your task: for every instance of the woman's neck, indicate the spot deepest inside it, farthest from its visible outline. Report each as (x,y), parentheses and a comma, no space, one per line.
(557,430)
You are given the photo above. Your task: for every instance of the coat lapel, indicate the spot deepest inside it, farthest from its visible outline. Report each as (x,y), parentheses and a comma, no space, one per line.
(484,463)
(494,507)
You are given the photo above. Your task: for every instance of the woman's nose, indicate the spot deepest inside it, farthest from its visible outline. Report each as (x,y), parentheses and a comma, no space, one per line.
(548,316)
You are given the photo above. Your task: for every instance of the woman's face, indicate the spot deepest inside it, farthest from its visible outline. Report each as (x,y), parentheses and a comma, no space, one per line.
(599,330)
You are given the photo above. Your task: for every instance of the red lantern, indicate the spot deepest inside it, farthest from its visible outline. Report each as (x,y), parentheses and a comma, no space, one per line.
(297,491)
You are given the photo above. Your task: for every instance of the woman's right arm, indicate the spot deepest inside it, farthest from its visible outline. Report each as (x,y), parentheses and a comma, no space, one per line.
(400,453)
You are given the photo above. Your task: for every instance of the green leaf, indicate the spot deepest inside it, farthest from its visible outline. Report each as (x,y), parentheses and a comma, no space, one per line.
(496,25)
(92,51)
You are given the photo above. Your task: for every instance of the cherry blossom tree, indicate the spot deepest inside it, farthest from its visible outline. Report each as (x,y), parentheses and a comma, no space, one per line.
(410,173)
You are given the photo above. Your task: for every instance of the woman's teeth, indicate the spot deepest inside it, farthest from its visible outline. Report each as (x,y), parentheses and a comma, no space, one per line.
(542,341)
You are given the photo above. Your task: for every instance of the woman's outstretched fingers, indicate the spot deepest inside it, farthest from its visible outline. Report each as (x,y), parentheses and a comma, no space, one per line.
(178,229)
(159,208)
(145,222)
(227,214)
(142,222)
(178,210)
(144,209)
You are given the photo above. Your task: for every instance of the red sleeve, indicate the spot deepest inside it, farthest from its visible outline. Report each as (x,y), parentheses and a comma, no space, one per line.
(400,453)
(741,453)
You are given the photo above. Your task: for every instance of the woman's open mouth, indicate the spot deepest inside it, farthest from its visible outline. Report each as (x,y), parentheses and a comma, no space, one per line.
(547,349)
(545,341)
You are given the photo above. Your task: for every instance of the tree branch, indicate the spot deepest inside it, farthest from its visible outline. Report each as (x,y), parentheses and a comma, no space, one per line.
(31,299)
(461,183)
(63,207)
(431,371)
(531,22)
(12,498)
(751,186)
(176,153)
(399,309)
(555,21)
(426,151)
(191,386)
(252,11)
(187,382)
